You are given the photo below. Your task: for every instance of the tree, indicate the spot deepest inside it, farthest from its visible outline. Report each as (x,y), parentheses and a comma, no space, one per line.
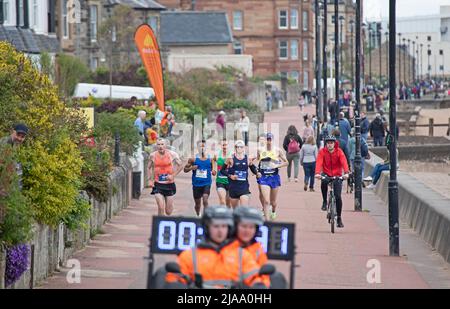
(121,24)
(70,71)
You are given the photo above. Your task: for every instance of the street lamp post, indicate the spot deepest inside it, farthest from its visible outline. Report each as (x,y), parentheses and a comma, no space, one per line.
(325,64)
(358,160)
(409,61)
(387,55)
(399,59)
(352,22)
(336,56)
(394,246)
(113,40)
(421,60)
(318,68)
(379,49)
(414,61)
(429,66)
(370,55)
(341,33)
(404,61)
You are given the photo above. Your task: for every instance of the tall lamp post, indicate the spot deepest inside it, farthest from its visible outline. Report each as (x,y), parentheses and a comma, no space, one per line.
(325,64)
(399,59)
(409,61)
(414,61)
(421,60)
(394,246)
(370,55)
(404,61)
(318,68)
(379,49)
(387,55)
(336,56)
(352,22)
(358,159)
(341,34)
(429,66)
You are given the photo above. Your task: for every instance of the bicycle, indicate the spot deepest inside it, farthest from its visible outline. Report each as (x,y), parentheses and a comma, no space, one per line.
(331,202)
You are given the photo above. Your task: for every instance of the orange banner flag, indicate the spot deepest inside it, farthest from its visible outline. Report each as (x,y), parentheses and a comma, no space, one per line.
(148,49)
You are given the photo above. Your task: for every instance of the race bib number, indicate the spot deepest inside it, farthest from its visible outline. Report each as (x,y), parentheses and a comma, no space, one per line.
(267,167)
(163,177)
(241,175)
(201,174)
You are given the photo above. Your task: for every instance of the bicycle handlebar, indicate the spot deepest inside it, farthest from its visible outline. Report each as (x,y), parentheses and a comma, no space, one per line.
(333,178)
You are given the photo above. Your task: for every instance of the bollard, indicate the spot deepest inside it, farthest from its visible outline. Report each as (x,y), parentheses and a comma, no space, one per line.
(431,127)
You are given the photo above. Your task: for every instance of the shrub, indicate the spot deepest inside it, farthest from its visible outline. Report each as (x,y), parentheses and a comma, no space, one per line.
(237,104)
(96,167)
(15,212)
(79,215)
(71,71)
(113,106)
(185,110)
(51,178)
(110,124)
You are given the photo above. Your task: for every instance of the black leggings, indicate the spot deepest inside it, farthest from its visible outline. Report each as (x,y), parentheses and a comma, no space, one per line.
(337,194)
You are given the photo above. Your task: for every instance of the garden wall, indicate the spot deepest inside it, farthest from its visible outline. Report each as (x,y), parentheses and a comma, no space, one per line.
(51,248)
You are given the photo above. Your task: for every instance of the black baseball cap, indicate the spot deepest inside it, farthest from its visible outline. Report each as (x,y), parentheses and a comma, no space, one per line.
(21,128)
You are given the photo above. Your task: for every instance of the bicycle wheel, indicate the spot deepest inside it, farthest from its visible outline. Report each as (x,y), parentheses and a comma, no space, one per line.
(333,214)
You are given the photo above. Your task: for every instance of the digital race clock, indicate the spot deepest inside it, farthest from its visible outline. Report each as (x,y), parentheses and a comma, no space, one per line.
(171,235)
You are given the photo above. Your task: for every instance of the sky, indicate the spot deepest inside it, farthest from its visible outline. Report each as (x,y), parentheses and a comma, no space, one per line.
(373,8)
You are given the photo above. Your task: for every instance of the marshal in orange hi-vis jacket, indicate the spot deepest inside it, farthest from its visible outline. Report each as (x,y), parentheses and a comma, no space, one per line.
(148,49)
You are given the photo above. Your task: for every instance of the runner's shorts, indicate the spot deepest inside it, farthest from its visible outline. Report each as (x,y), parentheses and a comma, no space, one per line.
(223,186)
(238,193)
(273,181)
(200,191)
(165,189)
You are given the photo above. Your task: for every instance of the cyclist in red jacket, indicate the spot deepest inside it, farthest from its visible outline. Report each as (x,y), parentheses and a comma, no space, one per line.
(331,161)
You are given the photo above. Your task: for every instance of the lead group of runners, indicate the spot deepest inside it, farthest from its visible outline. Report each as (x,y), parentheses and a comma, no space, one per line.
(231,171)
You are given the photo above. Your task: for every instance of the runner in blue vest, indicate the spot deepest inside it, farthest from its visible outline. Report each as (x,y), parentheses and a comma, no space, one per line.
(201,167)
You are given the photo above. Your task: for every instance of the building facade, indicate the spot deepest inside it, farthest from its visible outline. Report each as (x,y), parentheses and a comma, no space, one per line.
(84,39)
(29,25)
(278,34)
(427,39)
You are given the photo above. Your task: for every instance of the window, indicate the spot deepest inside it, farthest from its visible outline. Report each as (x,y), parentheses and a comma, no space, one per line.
(5,11)
(295,75)
(51,16)
(441,67)
(94,63)
(237,20)
(237,48)
(21,13)
(153,22)
(35,13)
(441,52)
(283,49)
(65,19)
(429,38)
(294,49)
(305,50)
(305,79)
(429,52)
(93,22)
(282,19)
(294,19)
(305,20)
(429,67)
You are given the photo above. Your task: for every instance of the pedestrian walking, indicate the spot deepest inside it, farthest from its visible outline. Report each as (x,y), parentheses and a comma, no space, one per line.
(377,130)
(243,126)
(301,103)
(308,130)
(220,125)
(292,144)
(308,157)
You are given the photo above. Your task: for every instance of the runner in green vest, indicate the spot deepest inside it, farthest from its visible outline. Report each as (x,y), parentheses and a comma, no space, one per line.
(222,185)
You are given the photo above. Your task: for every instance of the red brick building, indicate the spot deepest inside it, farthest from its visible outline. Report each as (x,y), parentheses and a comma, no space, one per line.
(279,34)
